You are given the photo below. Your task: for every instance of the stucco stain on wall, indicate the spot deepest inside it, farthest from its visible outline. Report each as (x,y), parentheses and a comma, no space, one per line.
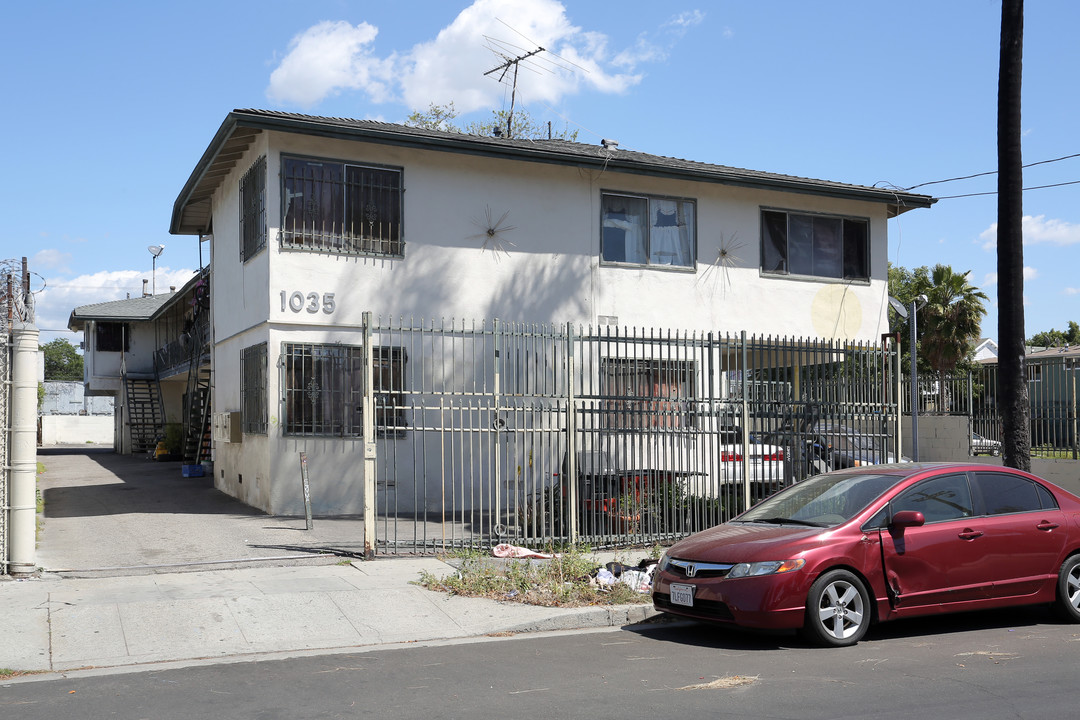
(836,312)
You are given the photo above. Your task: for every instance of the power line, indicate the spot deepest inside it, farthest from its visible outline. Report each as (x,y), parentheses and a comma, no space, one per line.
(994,192)
(992,172)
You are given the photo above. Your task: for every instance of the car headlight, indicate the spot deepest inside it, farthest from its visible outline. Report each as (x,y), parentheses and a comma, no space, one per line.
(771,567)
(662,563)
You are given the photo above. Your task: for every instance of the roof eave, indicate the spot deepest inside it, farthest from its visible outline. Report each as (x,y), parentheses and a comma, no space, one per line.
(897,202)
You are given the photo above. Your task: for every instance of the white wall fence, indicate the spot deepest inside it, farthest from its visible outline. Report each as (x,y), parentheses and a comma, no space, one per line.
(947,438)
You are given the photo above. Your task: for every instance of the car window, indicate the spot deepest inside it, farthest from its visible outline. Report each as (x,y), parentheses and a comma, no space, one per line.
(1048,500)
(946,497)
(1004,493)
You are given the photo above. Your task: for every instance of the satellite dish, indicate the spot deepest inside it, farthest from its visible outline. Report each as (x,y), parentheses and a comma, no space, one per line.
(156,250)
(898,307)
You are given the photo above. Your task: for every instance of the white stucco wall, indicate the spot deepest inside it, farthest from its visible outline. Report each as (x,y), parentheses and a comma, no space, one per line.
(550,271)
(76,430)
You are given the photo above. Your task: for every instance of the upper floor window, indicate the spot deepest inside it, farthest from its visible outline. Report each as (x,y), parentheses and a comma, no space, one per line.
(253,210)
(815,245)
(338,207)
(642,230)
(111,337)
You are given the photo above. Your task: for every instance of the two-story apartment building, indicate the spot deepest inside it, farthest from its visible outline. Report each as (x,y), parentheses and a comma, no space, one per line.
(314,222)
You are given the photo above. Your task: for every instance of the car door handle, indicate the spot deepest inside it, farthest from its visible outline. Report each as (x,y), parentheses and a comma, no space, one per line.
(970,534)
(1046,525)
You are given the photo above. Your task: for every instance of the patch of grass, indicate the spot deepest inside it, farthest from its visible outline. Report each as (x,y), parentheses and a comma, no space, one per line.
(563,581)
(9,673)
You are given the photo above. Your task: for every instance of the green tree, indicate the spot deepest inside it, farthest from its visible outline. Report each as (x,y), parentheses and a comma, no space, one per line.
(521,125)
(950,321)
(62,361)
(1057,338)
(947,327)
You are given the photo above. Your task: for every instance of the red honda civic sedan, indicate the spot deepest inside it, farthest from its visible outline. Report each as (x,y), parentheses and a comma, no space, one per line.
(839,551)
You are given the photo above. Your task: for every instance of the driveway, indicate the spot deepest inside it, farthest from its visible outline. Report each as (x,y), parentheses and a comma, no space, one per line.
(117,514)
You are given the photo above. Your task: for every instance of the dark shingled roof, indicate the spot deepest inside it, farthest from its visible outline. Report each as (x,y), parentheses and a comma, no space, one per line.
(137,309)
(140,308)
(191,211)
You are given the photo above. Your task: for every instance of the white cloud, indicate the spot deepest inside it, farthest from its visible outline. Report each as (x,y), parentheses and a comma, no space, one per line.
(1072,291)
(51,259)
(1037,229)
(327,58)
(53,305)
(332,57)
(1030,273)
(990,280)
(685,20)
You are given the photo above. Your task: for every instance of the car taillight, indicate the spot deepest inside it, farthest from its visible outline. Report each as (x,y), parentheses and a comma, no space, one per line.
(777,456)
(730,457)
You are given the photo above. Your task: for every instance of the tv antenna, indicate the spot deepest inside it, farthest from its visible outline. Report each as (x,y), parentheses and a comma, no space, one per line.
(514,56)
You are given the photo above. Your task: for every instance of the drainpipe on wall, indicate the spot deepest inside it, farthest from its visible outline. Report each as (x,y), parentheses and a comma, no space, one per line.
(22,496)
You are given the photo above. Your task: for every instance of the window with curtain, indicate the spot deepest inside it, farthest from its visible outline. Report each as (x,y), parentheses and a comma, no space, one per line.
(645,230)
(815,245)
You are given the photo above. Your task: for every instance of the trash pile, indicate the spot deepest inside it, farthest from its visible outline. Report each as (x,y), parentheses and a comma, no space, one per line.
(637,577)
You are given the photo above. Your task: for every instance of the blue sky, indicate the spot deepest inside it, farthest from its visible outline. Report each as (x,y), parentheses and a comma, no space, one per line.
(109,106)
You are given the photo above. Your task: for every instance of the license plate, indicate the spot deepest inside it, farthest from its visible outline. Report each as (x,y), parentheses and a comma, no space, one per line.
(682,594)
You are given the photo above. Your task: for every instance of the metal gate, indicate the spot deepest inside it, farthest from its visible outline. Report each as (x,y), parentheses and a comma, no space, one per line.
(541,435)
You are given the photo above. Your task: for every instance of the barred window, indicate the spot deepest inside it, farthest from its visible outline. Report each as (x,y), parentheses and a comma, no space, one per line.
(111,337)
(253,388)
(323,389)
(646,393)
(337,207)
(253,210)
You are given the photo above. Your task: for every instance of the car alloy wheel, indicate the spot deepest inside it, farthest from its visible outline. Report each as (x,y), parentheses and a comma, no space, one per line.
(1068,591)
(837,610)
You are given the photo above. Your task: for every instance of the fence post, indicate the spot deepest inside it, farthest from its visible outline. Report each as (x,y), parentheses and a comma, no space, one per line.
(368,430)
(571,439)
(745,425)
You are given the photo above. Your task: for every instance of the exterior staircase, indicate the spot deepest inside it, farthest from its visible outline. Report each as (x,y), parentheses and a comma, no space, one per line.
(146,415)
(197,432)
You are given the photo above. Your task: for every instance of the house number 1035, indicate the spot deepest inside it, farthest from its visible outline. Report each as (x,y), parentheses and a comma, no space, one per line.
(312,302)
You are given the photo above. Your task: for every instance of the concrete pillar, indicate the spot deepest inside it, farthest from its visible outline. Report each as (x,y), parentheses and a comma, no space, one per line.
(22,495)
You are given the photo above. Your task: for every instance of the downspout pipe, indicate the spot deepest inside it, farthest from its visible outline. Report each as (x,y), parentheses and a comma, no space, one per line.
(22,495)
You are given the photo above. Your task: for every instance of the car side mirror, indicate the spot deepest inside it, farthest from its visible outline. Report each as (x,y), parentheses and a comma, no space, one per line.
(907,518)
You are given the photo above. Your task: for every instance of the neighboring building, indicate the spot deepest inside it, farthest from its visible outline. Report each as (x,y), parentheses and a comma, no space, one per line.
(151,355)
(986,351)
(314,221)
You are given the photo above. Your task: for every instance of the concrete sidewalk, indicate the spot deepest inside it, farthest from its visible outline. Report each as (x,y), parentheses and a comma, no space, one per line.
(60,624)
(126,583)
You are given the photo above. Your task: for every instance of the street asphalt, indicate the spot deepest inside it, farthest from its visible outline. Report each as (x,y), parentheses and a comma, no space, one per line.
(143,567)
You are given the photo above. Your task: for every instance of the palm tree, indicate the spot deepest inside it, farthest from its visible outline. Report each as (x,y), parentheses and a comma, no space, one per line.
(950,321)
(1012,383)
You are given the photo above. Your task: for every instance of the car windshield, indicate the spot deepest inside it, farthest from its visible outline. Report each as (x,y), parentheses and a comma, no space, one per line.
(824,500)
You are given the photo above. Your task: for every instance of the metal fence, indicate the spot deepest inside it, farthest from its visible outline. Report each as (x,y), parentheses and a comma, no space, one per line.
(1052,392)
(538,434)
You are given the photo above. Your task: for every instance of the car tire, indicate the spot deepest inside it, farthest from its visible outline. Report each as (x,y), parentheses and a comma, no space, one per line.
(1068,590)
(837,610)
